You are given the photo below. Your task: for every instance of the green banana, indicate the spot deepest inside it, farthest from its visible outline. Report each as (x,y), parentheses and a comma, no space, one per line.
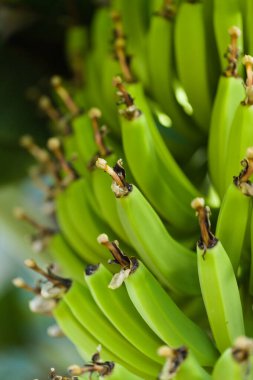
(192,60)
(80,212)
(70,264)
(157,308)
(120,311)
(235,363)
(83,307)
(230,93)
(137,125)
(165,257)
(162,72)
(77,333)
(68,231)
(217,283)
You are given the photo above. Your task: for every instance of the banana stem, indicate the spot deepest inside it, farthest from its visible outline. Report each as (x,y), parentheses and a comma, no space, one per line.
(95,114)
(120,47)
(64,95)
(57,281)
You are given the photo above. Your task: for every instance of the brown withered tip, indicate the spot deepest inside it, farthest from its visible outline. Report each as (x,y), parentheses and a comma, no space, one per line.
(94,113)
(249,153)
(197,203)
(91,269)
(19,213)
(56,81)
(26,141)
(53,143)
(44,102)
(117,81)
(234,31)
(19,282)
(247,60)
(242,349)
(102,239)
(30,263)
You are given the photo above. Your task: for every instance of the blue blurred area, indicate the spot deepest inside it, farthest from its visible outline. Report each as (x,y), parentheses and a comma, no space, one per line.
(26,351)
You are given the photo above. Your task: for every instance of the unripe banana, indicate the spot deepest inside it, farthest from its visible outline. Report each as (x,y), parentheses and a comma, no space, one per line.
(218,284)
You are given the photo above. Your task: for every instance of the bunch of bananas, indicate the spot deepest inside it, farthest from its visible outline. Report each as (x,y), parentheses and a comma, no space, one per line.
(161,86)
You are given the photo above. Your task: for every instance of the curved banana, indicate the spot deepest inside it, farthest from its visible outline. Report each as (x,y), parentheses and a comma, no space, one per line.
(138,126)
(120,311)
(162,71)
(165,257)
(78,334)
(192,60)
(69,231)
(218,284)
(83,307)
(229,94)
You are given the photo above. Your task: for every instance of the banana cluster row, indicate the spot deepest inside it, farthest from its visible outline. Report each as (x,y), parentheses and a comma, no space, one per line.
(161,87)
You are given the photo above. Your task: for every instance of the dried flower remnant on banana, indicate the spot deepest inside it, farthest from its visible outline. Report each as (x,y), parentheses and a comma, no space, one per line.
(242,181)
(96,366)
(120,186)
(53,376)
(207,239)
(130,112)
(174,359)
(232,54)
(47,292)
(128,264)
(248,63)
(242,350)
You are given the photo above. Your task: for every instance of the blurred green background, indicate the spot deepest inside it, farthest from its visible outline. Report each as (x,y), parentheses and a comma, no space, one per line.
(32,34)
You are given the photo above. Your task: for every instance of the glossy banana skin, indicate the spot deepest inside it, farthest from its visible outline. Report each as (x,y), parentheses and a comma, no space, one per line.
(190,44)
(240,138)
(173,185)
(118,308)
(70,264)
(89,315)
(165,318)
(162,74)
(230,93)
(232,223)
(167,259)
(218,283)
